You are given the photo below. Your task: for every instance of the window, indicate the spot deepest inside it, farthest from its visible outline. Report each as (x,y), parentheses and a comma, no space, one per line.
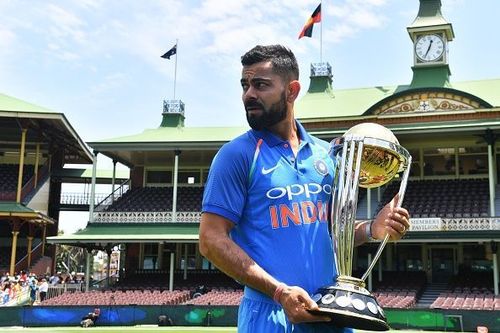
(150,256)
(188,177)
(158,176)
(439,161)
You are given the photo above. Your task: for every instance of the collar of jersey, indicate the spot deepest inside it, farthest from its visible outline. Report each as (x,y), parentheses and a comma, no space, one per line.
(272,140)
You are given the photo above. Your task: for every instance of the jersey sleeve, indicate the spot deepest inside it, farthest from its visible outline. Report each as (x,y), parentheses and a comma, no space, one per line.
(226,188)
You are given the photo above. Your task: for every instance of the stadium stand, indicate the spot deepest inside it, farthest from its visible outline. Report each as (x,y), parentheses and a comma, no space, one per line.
(467,291)
(450,198)
(223,296)
(119,297)
(159,199)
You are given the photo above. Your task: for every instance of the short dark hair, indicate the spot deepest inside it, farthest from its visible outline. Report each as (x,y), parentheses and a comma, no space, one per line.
(281,57)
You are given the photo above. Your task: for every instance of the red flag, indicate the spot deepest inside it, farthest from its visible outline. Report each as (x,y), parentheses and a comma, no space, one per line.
(307,30)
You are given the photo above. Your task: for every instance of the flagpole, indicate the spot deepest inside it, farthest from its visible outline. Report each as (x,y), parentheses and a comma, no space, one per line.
(321,33)
(176,55)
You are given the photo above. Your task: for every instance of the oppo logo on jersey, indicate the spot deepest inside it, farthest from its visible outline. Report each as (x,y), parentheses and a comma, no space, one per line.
(298,189)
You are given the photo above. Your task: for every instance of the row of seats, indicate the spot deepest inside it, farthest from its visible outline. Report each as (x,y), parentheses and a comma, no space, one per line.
(216,297)
(5,253)
(154,297)
(397,300)
(467,302)
(401,282)
(194,278)
(443,198)
(9,175)
(424,198)
(158,199)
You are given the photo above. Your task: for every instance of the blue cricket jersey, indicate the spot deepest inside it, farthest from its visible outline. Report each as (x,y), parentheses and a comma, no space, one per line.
(279,204)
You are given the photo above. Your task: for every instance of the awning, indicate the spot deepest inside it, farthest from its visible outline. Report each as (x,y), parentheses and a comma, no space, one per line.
(102,234)
(11,210)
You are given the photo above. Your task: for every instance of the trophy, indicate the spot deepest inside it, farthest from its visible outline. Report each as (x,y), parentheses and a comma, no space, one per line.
(368,155)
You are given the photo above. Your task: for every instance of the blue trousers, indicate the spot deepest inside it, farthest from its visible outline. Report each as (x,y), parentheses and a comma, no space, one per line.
(265,316)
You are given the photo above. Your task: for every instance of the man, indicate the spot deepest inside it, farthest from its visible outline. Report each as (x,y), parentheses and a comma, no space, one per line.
(44,288)
(33,287)
(265,207)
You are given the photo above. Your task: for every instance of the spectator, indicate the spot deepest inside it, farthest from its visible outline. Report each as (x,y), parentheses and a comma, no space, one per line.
(5,277)
(23,277)
(33,287)
(44,287)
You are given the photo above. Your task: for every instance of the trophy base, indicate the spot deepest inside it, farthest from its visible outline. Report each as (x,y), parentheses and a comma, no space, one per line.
(349,304)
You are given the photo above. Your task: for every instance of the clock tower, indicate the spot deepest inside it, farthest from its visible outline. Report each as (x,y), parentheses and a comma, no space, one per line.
(430,34)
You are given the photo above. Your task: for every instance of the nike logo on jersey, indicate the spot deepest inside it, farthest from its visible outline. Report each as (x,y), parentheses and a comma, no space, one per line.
(268,171)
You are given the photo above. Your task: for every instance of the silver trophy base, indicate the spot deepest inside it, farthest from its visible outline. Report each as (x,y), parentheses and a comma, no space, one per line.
(349,304)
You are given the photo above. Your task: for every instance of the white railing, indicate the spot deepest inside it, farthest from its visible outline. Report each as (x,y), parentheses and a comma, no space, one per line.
(455,224)
(59,289)
(146,217)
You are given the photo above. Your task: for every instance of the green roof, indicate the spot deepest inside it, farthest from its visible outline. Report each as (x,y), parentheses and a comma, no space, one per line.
(11,209)
(180,135)
(14,207)
(345,103)
(130,233)
(11,104)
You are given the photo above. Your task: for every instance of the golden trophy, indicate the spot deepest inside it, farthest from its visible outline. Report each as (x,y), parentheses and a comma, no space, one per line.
(368,155)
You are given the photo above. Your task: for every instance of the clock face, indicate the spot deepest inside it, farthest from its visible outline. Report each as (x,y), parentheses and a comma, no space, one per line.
(429,47)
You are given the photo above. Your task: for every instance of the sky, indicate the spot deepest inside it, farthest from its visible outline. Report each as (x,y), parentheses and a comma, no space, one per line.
(98,61)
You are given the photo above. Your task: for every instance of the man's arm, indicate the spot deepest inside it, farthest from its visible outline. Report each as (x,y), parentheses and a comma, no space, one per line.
(223,252)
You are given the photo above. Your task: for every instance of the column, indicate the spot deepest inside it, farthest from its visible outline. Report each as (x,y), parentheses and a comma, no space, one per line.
(491,179)
(108,269)
(44,237)
(87,269)
(185,261)
(30,244)
(21,166)
(92,188)
(37,162)
(113,182)
(160,255)
(494,252)
(15,234)
(174,195)
(421,162)
(171,275)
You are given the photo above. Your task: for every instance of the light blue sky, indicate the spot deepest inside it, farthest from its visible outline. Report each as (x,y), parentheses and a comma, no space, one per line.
(98,61)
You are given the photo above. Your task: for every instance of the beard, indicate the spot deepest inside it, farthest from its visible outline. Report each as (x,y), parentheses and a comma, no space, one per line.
(269,116)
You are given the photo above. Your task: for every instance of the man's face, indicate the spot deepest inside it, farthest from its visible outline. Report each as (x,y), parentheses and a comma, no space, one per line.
(264,96)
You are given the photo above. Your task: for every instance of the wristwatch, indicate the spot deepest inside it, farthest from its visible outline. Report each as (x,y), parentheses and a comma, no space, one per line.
(368,231)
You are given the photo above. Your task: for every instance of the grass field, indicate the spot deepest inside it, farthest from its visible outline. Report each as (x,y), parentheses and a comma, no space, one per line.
(151,328)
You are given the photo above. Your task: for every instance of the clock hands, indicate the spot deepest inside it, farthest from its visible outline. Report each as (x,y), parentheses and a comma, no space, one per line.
(429,48)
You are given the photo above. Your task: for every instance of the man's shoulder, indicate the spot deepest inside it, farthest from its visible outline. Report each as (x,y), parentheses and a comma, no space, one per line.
(241,145)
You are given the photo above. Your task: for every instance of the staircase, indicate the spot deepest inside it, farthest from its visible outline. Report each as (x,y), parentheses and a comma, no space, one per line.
(42,266)
(431,292)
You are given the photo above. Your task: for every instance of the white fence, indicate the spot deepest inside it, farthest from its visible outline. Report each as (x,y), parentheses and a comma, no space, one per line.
(146,217)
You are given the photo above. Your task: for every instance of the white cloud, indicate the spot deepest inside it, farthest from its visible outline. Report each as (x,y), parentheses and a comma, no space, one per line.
(7,38)
(110,82)
(65,23)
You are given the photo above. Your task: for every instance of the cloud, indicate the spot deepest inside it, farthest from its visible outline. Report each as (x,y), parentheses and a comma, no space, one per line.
(110,82)
(7,38)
